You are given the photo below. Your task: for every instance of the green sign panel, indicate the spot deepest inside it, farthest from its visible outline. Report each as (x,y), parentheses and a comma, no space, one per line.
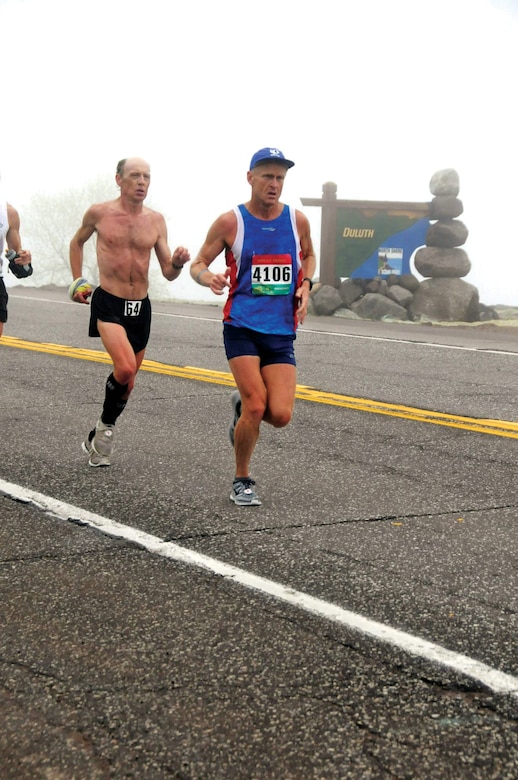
(371,242)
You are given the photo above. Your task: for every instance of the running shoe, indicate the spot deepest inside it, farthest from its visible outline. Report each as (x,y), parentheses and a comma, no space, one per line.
(235,399)
(99,444)
(243,493)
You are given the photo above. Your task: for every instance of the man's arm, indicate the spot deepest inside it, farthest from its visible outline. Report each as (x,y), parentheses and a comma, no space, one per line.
(13,238)
(171,265)
(308,262)
(221,234)
(85,232)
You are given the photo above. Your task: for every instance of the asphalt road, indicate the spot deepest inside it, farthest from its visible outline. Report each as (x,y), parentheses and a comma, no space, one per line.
(361,623)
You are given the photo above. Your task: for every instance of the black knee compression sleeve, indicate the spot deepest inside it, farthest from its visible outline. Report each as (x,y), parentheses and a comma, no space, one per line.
(113,401)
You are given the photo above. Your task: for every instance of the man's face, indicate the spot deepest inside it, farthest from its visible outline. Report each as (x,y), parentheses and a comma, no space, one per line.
(134,180)
(267,181)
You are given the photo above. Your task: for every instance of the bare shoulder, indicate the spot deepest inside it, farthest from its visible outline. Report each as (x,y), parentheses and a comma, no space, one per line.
(302,220)
(99,210)
(153,214)
(221,234)
(303,226)
(225,225)
(12,213)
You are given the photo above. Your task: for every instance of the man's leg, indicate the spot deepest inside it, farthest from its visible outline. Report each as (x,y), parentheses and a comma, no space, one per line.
(266,394)
(280,380)
(125,362)
(119,385)
(252,390)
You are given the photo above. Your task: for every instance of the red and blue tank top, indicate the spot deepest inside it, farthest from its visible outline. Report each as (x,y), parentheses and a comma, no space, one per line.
(265,270)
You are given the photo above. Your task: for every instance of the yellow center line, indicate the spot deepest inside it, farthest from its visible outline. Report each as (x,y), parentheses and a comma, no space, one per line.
(303,392)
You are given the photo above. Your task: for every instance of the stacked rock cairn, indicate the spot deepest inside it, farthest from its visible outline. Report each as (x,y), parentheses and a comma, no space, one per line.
(442,296)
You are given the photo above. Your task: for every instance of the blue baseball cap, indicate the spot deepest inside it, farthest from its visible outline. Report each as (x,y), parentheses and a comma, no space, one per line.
(270,155)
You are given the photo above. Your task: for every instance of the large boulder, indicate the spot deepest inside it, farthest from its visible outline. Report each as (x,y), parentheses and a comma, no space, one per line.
(398,294)
(408,281)
(377,285)
(346,314)
(445,207)
(445,300)
(487,313)
(447,233)
(374,306)
(350,291)
(445,182)
(431,261)
(326,300)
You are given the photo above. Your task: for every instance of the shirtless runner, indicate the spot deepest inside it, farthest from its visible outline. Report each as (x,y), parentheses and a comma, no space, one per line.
(120,311)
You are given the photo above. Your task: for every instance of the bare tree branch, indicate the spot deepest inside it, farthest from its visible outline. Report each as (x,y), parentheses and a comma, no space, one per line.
(50,221)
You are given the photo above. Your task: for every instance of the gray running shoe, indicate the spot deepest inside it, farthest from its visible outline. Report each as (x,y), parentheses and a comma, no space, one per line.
(94,459)
(99,447)
(235,399)
(243,493)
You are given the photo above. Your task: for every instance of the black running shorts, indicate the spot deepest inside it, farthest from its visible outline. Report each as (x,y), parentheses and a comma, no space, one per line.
(134,316)
(3,301)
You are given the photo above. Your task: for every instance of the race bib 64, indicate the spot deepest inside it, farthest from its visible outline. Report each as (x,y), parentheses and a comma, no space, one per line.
(132,308)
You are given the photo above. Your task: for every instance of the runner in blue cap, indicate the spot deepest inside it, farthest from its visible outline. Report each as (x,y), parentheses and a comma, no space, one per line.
(270,264)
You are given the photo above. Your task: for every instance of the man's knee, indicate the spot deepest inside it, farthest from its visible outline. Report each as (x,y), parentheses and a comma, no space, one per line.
(279,418)
(125,373)
(125,378)
(254,409)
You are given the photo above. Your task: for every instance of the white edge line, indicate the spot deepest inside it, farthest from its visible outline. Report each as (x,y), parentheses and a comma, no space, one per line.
(497,681)
(301,329)
(155,313)
(416,342)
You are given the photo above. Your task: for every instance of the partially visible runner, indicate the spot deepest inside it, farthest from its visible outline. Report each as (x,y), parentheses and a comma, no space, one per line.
(120,313)
(10,237)
(270,265)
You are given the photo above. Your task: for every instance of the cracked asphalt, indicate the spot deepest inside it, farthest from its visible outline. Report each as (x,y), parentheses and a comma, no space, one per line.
(119,663)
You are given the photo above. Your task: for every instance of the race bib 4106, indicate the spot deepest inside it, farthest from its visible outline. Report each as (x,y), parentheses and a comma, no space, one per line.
(271,274)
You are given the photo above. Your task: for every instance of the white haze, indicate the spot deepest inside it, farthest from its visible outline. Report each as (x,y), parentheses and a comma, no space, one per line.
(372,95)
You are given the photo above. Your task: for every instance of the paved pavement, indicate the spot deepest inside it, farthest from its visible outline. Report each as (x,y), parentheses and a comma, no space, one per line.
(121,659)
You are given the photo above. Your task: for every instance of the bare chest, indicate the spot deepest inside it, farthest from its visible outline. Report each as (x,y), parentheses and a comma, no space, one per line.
(134,232)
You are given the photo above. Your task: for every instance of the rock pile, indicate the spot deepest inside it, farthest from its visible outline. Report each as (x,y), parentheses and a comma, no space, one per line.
(443,296)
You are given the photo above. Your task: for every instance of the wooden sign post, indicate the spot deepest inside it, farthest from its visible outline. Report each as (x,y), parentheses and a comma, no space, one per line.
(341,245)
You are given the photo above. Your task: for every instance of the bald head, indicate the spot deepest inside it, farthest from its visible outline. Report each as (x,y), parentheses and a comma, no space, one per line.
(131,162)
(133,177)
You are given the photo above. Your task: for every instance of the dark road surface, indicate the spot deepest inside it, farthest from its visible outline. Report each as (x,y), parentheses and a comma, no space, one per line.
(361,623)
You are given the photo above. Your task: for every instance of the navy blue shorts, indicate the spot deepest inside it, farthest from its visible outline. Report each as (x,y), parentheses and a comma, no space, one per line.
(270,348)
(134,316)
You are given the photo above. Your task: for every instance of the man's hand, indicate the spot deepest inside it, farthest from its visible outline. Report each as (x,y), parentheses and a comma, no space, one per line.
(80,290)
(219,282)
(302,298)
(25,257)
(180,256)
